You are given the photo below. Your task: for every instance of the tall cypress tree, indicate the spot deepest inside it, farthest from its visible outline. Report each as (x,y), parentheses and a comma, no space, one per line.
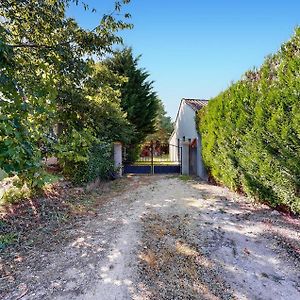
(138,99)
(164,126)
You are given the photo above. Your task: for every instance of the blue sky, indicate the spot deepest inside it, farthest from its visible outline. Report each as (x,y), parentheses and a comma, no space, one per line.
(195,49)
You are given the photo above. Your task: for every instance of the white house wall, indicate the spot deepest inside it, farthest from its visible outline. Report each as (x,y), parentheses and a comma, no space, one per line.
(185,126)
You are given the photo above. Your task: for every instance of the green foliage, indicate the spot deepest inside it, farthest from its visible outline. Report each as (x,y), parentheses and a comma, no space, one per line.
(100,163)
(163,126)
(137,97)
(7,239)
(83,157)
(18,152)
(14,190)
(103,112)
(16,193)
(3,174)
(251,132)
(185,177)
(51,178)
(48,77)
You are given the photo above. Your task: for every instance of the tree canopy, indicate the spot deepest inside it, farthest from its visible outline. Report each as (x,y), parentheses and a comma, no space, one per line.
(59,91)
(163,126)
(138,99)
(48,77)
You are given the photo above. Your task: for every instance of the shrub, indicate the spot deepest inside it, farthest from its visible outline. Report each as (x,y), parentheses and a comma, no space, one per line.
(13,190)
(19,153)
(83,157)
(16,194)
(100,163)
(251,131)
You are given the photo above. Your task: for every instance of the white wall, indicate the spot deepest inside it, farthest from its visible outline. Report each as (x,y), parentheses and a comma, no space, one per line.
(185,126)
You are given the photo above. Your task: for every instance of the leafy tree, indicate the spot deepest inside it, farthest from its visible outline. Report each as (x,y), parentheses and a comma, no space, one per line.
(45,68)
(104,112)
(138,99)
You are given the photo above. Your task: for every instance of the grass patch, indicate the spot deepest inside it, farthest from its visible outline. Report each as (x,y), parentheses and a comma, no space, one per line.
(51,178)
(185,177)
(7,239)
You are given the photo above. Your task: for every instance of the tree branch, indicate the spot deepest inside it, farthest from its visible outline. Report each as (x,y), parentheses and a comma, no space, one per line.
(38,46)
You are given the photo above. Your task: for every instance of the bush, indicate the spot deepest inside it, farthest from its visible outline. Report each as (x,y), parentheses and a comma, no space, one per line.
(100,163)
(13,190)
(132,153)
(16,194)
(251,132)
(84,158)
(19,153)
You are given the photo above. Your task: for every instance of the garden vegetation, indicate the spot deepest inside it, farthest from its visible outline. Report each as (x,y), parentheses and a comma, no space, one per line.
(138,99)
(58,96)
(251,131)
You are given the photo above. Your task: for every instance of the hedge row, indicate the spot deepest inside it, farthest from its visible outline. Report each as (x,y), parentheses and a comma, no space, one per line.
(251,131)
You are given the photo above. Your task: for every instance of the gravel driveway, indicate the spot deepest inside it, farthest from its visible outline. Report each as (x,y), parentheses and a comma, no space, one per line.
(166,238)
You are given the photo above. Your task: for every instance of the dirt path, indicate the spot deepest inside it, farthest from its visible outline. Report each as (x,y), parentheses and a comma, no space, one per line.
(165,238)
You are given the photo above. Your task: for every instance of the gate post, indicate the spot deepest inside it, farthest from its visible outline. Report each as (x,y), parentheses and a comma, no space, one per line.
(185,158)
(152,153)
(118,158)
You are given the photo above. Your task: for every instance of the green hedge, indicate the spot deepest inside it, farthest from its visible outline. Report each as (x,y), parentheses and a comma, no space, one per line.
(251,131)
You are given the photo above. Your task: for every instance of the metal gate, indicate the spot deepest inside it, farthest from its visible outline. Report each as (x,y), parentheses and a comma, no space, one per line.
(155,158)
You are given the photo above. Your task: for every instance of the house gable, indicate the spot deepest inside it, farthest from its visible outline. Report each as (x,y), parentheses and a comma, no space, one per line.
(185,129)
(185,123)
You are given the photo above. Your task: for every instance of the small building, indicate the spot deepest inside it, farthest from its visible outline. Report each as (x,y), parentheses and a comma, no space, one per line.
(185,130)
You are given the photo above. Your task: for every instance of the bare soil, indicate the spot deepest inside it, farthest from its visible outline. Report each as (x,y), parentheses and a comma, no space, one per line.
(153,237)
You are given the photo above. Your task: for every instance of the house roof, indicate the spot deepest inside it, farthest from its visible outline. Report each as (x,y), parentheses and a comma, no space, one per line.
(195,104)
